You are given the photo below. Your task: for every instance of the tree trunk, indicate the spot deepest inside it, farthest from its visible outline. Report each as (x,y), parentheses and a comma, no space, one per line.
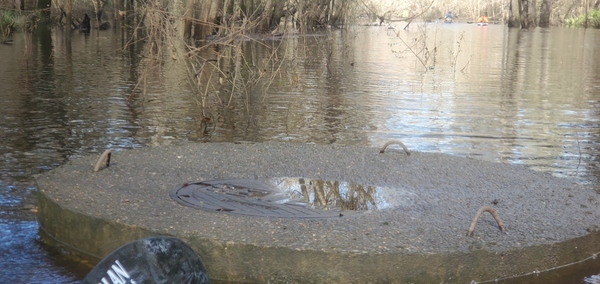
(523,6)
(585,23)
(116,7)
(271,16)
(237,11)
(97,11)
(248,8)
(330,11)
(188,16)
(513,12)
(338,10)
(545,13)
(69,13)
(207,19)
(531,14)
(267,14)
(301,18)
(214,16)
(226,13)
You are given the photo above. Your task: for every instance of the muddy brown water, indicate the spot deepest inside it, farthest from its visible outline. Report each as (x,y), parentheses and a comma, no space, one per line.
(521,97)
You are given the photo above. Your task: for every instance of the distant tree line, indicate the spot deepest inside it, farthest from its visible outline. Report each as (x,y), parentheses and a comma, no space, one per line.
(514,13)
(207,17)
(204,18)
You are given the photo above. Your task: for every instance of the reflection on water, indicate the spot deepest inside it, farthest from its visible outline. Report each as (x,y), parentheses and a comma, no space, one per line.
(344,195)
(594,279)
(330,195)
(523,97)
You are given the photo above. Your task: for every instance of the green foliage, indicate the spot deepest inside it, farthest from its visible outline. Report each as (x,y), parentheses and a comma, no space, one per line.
(593,20)
(12,21)
(7,21)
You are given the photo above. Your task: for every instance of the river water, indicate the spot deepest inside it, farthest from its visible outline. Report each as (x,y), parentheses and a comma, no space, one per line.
(522,97)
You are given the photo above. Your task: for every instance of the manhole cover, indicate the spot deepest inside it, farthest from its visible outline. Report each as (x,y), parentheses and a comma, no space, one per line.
(290,197)
(246,197)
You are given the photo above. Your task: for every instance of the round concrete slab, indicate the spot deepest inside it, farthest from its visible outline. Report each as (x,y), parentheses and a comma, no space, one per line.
(421,239)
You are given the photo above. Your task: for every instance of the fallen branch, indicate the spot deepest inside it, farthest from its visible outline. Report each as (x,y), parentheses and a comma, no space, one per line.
(103,161)
(395,142)
(481,210)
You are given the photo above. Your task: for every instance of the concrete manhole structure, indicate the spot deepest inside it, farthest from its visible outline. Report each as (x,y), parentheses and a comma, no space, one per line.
(403,217)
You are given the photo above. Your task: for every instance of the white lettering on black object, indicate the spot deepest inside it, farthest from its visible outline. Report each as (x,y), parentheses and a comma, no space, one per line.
(117,274)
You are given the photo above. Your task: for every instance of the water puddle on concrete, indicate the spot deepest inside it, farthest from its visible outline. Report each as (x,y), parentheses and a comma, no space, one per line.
(290,197)
(329,195)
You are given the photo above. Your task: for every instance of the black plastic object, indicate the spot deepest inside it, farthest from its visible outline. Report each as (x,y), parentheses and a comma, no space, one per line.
(151,260)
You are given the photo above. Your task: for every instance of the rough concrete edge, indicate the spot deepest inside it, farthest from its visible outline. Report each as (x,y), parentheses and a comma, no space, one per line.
(88,237)
(94,238)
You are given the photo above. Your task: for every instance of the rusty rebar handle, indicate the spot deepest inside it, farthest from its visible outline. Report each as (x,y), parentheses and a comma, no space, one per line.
(103,161)
(395,142)
(481,210)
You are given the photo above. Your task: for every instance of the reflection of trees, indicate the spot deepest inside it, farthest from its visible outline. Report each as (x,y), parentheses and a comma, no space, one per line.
(335,194)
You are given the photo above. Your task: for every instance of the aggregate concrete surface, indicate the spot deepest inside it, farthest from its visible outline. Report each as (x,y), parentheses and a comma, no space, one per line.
(438,196)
